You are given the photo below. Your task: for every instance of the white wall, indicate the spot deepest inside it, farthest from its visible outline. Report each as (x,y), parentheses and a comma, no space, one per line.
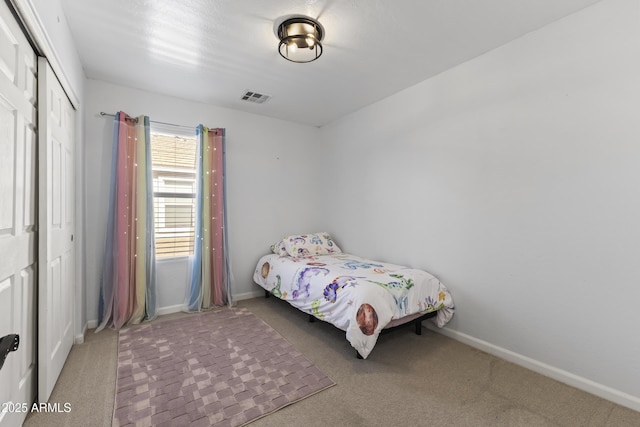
(515,179)
(51,18)
(269,174)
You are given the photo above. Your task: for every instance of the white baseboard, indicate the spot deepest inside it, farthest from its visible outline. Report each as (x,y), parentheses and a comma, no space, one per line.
(170,309)
(92,324)
(249,295)
(79,339)
(600,390)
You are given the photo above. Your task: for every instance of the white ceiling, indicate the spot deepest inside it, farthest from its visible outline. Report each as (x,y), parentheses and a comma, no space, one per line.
(212,51)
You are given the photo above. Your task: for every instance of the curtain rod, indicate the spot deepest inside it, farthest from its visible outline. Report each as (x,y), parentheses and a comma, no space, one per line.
(102,113)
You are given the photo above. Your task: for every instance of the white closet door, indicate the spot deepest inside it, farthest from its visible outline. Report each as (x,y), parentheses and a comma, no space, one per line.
(18,268)
(56,229)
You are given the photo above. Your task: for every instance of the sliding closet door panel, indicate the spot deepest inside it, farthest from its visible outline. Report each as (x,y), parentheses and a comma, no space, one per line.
(18,268)
(56,228)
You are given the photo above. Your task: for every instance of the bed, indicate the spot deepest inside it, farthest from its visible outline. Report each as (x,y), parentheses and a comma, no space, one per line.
(359,296)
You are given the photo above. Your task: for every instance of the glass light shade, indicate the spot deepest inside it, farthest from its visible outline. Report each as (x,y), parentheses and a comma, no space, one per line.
(300,39)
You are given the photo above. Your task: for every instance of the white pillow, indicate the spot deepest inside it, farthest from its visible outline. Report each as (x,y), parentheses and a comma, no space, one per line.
(278,248)
(301,245)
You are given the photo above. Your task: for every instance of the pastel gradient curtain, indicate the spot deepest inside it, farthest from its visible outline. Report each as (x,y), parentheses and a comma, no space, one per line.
(128,285)
(210,278)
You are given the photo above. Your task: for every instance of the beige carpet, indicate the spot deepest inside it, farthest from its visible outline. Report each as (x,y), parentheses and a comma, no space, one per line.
(408,380)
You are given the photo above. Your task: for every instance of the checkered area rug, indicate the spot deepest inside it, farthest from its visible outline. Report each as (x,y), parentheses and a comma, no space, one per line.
(220,368)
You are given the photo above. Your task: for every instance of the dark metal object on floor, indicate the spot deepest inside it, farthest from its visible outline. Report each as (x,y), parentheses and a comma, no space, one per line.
(8,343)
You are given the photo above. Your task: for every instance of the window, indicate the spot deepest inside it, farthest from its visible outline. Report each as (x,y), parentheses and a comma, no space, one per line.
(173,157)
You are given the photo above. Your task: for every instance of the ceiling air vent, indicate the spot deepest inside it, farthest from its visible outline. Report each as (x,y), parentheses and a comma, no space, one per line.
(256,97)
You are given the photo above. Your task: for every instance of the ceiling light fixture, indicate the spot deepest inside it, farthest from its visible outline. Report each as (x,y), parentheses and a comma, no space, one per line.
(300,39)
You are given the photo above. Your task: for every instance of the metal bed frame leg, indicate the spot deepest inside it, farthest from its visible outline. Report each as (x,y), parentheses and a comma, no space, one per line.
(418,326)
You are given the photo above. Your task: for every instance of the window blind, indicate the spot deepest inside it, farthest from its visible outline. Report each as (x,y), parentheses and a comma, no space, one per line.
(173,160)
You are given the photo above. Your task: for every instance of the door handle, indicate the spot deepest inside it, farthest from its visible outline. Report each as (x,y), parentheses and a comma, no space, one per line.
(8,344)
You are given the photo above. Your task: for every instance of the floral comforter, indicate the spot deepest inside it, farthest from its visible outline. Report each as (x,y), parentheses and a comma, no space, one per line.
(357,295)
